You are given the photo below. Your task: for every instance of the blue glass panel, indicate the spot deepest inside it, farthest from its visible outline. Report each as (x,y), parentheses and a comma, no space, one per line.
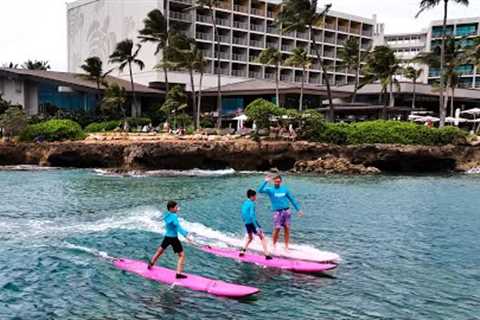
(232,105)
(68,101)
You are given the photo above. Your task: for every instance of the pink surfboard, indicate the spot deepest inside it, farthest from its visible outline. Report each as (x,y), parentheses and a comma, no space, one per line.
(280,263)
(193,282)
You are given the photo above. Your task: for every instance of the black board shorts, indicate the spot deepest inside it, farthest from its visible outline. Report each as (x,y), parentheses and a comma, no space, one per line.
(174,242)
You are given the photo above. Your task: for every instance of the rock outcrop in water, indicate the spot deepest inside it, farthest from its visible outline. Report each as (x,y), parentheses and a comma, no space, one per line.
(333,165)
(242,154)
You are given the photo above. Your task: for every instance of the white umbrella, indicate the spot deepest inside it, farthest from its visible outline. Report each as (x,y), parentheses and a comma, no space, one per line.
(240,120)
(455,121)
(473,112)
(414,117)
(427,119)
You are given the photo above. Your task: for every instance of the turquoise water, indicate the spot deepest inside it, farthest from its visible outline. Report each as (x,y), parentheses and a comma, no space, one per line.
(410,247)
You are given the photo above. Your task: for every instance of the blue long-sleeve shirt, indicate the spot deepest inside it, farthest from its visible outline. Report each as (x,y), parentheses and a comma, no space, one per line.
(172,225)
(280,197)
(249,214)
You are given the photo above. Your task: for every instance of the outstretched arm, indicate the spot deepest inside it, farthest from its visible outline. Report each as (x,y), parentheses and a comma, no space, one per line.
(293,201)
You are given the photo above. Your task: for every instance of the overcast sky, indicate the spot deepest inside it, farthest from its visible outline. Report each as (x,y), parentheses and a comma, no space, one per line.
(36,29)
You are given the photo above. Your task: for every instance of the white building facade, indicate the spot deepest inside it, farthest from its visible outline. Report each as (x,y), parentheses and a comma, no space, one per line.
(245,29)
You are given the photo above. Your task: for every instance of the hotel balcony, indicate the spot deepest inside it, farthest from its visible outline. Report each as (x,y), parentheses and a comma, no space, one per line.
(257,12)
(330,26)
(303,35)
(240,25)
(180,16)
(203,36)
(270,14)
(239,73)
(273,30)
(240,8)
(256,43)
(329,40)
(272,45)
(239,57)
(343,29)
(287,47)
(315,66)
(204,18)
(223,71)
(289,34)
(257,27)
(255,74)
(223,22)
(367,33)
(286,77)
(223,38)
(224,5)
(270,75)
(240,41)
(223,55)
(207,53)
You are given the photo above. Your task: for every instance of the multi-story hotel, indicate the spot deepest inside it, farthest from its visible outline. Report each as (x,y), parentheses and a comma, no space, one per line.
(245,28)
(407,46)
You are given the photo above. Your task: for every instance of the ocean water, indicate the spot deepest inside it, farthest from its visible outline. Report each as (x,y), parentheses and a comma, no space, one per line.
(409,245)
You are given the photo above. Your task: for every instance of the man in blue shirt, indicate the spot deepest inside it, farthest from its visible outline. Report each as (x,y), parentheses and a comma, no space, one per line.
(281,198)
(173,228)
(249,216)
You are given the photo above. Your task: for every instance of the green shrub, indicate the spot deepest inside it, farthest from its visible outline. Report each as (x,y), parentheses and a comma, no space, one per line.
(53,130)
(207,122)
(334,133)
(103,126)
(136,122)
(183,120)
(261,111)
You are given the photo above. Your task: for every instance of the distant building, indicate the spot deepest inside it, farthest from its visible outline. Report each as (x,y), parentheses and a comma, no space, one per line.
(37,91)
(245,29)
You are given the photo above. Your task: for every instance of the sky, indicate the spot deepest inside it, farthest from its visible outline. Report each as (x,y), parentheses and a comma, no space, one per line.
(37,29)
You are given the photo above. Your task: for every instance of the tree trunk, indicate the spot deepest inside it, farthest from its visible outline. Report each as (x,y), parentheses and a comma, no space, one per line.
(301,90)
(452,105)
(165,71)
(357,75)
(134,107)
(384,109)
(194,98)
(277,93)
(414,93)
(391,98)
(331,111)
(199,102)
(442,65)
(219,76)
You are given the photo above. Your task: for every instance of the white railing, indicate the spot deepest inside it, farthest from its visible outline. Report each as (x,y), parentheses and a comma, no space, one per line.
(223,22)
(285,77)
(225,39)
(223,55)
(287,48)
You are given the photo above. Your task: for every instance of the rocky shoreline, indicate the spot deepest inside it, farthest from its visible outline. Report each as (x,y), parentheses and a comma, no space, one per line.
(243,154)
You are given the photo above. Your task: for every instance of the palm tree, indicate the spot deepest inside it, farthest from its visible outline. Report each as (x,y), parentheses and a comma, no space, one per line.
(10,65)
(427,5)
(156,31)
(455,56)
(114,101)
(211,5)
(382,66)
(125,55)
(300,58)
(93,66)
(200,65)
(301,15)
(413,74)
(36,65)
(352,58)
(182,54)
(272,56)
(175,101)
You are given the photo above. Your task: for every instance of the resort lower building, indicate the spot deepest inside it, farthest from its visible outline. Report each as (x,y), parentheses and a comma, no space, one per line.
(245,28)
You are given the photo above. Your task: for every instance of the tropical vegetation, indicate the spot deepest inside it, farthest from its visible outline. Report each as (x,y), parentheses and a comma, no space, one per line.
(53,130)
(300,59)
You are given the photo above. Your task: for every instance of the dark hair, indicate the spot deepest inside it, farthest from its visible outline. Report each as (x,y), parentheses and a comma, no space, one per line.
(171,205)
(278,177)
(251,193)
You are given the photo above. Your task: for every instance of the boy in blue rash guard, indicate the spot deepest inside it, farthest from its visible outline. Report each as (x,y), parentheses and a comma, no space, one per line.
(173,228)
(249,216)
(281,198)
